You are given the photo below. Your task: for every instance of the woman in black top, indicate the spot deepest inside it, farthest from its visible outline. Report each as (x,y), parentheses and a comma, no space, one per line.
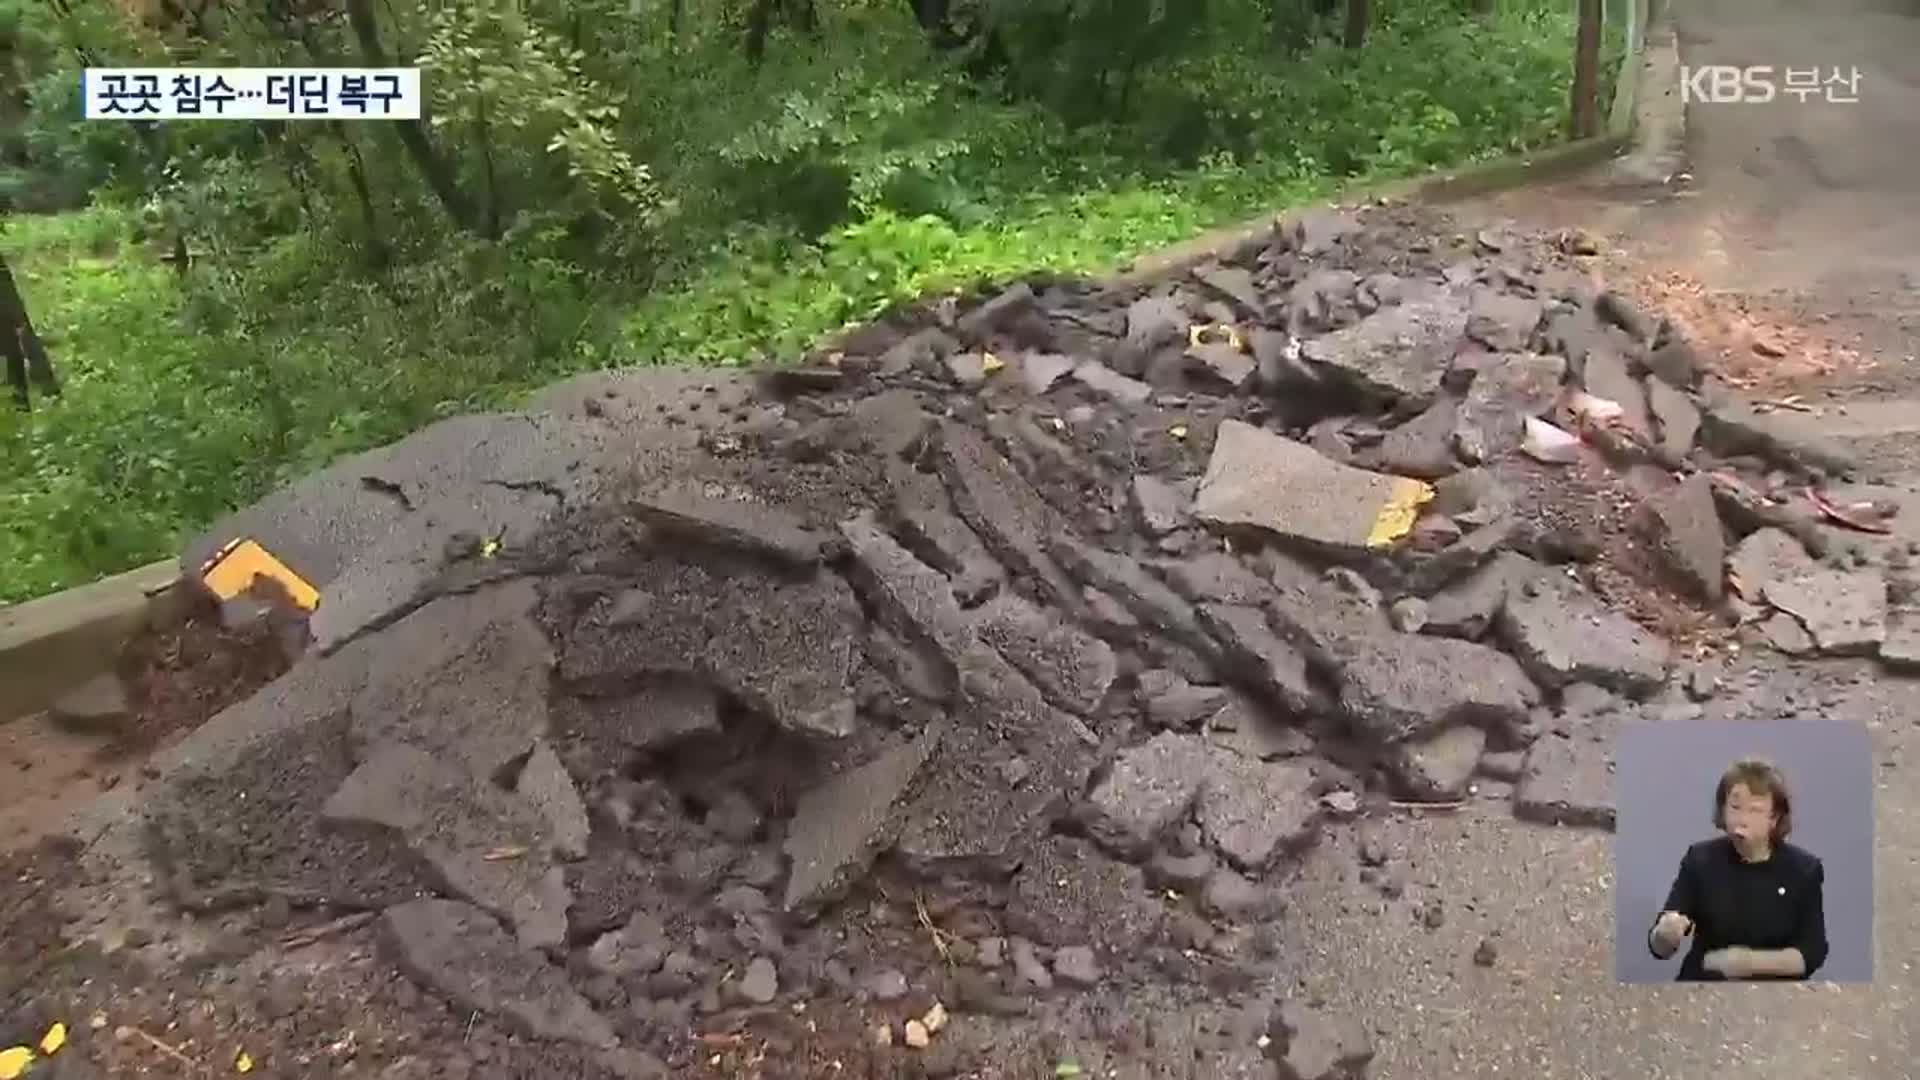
(1750,901)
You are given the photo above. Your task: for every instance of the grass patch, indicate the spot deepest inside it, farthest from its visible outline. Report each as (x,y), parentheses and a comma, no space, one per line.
(277,355)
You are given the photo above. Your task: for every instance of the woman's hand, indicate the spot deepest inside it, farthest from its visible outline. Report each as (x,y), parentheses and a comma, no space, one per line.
(1669,930)
(1733,962)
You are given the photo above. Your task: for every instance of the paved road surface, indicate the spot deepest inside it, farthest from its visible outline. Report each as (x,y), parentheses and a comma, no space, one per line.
(1812,210)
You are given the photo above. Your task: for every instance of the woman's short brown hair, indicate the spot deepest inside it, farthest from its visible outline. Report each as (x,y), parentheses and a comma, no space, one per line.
(1761,778)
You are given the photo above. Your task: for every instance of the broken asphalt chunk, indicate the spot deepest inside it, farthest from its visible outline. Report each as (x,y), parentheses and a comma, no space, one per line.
(1395,687)
(693,513)
(1004,510)
(783,648)
(1397,353)
(1148,790)
(545,785)
(1684,527)
(1150,601)
(840,825)
(1844,610)
(924,517)
(1109,383)
(460,952)
(1070,666)
(483,843)
(1252,812)
(1562,634)
(1069,894)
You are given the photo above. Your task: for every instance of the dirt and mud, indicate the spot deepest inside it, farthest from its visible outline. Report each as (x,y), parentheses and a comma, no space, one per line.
(959,701)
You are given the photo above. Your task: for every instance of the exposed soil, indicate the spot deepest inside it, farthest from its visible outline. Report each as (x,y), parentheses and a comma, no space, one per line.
(175,678)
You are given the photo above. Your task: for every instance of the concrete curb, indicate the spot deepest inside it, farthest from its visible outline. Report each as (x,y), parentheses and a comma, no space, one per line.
(55,643)
(1499,174)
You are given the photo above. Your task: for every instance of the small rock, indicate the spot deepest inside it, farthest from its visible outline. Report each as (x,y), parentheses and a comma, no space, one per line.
(1162,509)
(1029,973)
(1439,767)
(1109,383)
(1075,965)
(883,1035)
(1485,953)
(761,983)
(1900,652)
(1311,1044)
(1039,371)
(1503,765)
(1171,871)
(1373,849)
(889,985)
(990,952)
(1409,614)
(1433,915)
(1230,896)
(917,1035)
(97,706)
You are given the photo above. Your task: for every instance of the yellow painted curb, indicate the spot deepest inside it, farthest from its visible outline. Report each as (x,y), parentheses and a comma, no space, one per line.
(1402,508)
(233,570)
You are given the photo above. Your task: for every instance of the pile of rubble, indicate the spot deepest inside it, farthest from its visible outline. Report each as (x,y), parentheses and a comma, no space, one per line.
(1001,657)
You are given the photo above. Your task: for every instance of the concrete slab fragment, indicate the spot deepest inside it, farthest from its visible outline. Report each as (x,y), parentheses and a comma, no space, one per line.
(1764,557)
(1503,321)
(1506,389)
(545,785)
(1262,481)
(1468,609)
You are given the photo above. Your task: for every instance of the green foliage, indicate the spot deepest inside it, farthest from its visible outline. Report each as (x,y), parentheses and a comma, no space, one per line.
(660,197)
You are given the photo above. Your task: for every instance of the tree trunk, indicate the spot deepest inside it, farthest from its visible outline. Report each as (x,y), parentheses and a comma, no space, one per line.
(805,17)
(434,169)
(1586,72)
(674,15)
(1357,17)
(378,255)
(759,24)
(485,136)
(1483,8)
(27,362)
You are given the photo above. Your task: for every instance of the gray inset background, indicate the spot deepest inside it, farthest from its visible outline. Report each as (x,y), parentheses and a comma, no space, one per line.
(1665,776)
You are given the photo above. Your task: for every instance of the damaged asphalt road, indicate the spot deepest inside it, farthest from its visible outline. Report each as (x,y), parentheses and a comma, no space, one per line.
(1052,657)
